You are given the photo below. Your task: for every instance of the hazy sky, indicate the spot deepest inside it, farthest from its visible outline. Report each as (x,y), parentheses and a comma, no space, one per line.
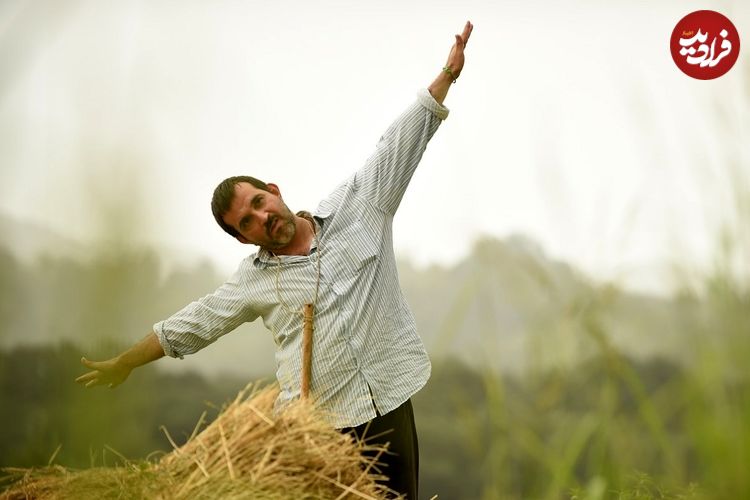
(570,124)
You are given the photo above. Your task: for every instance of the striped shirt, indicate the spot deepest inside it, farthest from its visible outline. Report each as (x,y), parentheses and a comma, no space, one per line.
(367,355)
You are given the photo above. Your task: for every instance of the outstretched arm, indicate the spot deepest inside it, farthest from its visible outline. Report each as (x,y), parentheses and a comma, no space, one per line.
(113,372)
(439,88)
(187,331)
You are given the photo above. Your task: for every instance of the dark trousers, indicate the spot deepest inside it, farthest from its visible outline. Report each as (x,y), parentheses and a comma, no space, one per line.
(401,462)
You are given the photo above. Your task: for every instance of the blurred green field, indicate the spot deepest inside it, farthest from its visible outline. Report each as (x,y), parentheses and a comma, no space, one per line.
(611,426)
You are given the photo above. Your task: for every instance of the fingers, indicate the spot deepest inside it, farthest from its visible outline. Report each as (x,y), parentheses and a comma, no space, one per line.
(90,364)
(463,38)
(89,379)
(93,379)
(468,28)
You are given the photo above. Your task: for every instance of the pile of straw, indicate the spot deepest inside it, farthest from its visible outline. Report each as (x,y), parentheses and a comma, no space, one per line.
(244,453)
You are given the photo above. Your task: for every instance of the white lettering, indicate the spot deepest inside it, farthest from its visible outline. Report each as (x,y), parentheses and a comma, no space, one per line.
(706,57)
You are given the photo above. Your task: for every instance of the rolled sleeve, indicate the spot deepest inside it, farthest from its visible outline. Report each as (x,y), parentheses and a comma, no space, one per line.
(165,344)
(202,322)
(425,99)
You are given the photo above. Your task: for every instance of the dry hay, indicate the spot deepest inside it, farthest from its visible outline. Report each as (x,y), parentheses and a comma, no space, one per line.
(243,454)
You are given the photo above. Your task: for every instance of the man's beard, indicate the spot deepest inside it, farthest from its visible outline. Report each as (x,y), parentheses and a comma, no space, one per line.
(285,231)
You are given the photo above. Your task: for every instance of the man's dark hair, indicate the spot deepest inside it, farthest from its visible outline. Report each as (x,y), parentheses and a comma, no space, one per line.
(223,196)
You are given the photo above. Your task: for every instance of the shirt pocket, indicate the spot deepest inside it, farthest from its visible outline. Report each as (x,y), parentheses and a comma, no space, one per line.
(351,250)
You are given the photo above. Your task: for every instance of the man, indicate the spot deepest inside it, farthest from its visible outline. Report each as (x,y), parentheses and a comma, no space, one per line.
(368,359)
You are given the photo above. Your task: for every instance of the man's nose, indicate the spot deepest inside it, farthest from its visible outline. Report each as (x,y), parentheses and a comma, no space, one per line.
(261,216)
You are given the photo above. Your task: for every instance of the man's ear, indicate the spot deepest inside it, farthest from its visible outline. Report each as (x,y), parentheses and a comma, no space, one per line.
(274,189)
(242,239)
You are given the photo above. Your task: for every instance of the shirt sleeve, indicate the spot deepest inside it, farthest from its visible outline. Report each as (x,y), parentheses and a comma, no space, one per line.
(387,172)
(202,322)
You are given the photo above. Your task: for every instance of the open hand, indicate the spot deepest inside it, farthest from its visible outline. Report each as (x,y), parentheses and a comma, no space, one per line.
(456,57)
(110,373)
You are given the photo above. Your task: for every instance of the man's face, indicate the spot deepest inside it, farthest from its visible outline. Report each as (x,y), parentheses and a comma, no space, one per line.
(261,217)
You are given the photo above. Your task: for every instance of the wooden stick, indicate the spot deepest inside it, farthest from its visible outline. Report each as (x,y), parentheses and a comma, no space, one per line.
(307,333)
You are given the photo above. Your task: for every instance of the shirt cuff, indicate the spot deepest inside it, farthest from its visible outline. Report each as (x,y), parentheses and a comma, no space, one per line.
(159,331)
(425,99)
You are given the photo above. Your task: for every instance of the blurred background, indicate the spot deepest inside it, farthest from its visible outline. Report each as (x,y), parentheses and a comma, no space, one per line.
(575,244)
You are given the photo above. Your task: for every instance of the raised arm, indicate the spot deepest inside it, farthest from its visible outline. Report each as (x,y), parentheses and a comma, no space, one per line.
(387,172)
(454,65)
